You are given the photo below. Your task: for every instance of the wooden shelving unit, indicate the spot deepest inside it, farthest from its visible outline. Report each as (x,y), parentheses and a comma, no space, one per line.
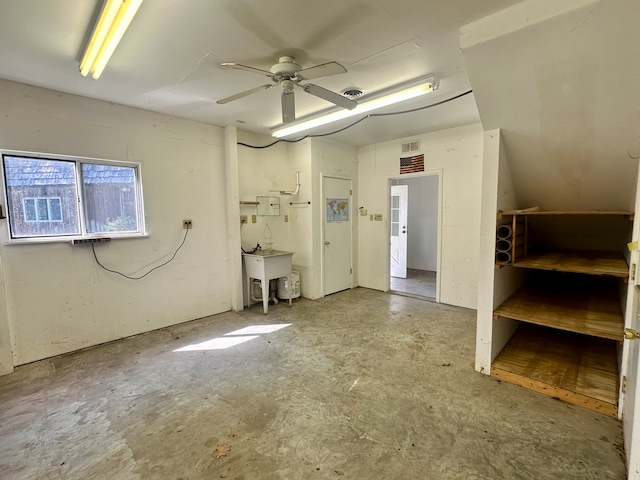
(577,369)
(535,212)
(595,311)
(571,318)
(590,263)
(583,261)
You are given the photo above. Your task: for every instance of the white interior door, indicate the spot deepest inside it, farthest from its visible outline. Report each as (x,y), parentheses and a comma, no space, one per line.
(631,360)
(398,224)
(631,404)
(336,257)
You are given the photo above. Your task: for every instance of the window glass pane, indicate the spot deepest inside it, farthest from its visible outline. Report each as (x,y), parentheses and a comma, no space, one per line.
(55,210)
(110,198)
(394,229)
(395,215)
(30,183)
(30,209)
(395,201)
(42,211)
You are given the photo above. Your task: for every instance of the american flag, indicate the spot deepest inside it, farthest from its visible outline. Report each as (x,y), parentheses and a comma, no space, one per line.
(412,164)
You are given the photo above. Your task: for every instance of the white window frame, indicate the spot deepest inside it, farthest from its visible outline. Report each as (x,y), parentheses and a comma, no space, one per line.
(35,202)
(79,187)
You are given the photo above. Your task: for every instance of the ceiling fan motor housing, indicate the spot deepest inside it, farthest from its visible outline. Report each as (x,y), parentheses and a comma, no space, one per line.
(286,67)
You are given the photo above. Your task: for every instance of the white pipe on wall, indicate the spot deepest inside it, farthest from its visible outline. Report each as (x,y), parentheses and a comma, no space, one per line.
(294,192)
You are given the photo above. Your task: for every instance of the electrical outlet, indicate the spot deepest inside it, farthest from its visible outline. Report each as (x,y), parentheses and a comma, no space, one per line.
(371,217)
(254,218)
(187,224)
(377,217)
(84,241)
(286,218)
(363,212)
(243,219)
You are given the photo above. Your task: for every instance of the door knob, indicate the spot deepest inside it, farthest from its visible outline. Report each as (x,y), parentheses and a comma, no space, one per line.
(326,242)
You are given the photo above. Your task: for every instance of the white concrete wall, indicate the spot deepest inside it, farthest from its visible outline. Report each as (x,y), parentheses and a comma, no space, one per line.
(274,168)
(234,240)
(57,298)
(422,222)
(6,343)
(301,228)
(333,159)
(457,153)
(262,170)
(495,286)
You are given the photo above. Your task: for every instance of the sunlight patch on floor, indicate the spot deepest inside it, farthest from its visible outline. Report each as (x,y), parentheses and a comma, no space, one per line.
(219,343)
(234,338)
(258,329)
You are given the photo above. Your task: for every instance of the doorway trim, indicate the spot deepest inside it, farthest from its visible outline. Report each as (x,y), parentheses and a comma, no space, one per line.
(427,173)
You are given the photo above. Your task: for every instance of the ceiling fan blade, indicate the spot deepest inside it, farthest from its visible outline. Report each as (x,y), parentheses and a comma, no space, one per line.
(288,105)
(243,94)
(330,96)
(247,68)
(322,70)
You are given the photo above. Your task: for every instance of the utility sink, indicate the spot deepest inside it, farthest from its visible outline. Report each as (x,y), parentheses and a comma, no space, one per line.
(270,253)
(267,265)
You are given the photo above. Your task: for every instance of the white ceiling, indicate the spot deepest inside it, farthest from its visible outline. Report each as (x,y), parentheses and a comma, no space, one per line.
(169,59)
(561,78)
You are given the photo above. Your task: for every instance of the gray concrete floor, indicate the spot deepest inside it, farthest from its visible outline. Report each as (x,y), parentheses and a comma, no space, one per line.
(361,385)
(420,283)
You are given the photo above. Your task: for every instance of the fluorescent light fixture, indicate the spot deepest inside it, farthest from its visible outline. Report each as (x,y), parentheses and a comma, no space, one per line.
(428,85)
(115,17)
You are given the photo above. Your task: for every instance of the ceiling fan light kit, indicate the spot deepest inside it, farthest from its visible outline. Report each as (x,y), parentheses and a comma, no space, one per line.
(289,75)
(115,17)
(426,85)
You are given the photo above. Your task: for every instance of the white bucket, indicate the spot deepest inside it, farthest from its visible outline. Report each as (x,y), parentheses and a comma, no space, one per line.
(285,291)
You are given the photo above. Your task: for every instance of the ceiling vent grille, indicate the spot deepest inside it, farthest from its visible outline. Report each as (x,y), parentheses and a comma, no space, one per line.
(413,146)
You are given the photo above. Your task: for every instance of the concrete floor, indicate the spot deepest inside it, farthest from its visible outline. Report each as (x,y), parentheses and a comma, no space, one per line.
(421,283)
(361,385)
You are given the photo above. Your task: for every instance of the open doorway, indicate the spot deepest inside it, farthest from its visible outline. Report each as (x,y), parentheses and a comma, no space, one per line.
(413,229)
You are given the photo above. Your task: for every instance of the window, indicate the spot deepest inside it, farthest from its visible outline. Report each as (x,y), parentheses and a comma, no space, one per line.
(69,197)
(42,209)
(395,215)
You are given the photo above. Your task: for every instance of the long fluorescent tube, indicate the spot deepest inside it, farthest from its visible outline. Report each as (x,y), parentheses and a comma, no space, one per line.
(426,87)
(115,17)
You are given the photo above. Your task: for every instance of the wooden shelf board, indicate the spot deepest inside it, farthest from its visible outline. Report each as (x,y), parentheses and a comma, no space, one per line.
(566,212)
(577,369)
(591,310)
(592,263)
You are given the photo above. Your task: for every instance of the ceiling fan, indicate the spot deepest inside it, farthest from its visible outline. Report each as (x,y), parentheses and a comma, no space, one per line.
(288,74)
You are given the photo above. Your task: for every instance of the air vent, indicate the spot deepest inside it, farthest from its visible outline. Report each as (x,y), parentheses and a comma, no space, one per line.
(409,147)
(352,93)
